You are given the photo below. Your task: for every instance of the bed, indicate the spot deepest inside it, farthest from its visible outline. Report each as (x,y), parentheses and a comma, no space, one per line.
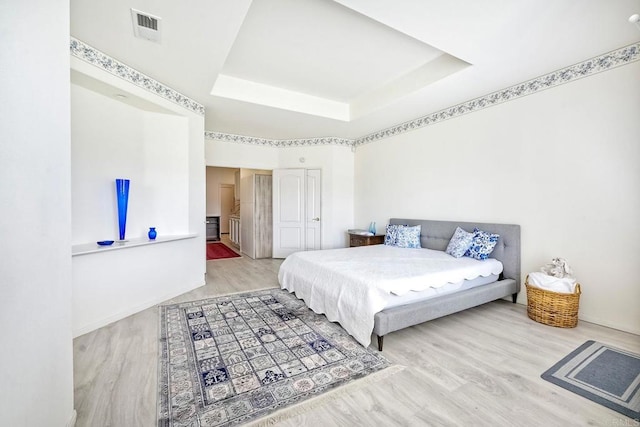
(350,285)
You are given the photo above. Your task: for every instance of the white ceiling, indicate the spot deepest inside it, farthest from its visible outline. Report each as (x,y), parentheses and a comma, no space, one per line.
(352,66)
(320,48)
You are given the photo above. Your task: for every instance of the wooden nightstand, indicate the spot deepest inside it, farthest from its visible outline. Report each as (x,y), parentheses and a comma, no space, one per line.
(359,240)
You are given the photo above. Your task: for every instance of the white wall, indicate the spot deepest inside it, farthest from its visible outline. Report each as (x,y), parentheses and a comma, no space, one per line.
(215,177)
(335,162)
(337,165)
(234,155)
(111,139)
(160,147)
(36,374)
(562,163)
(112,285)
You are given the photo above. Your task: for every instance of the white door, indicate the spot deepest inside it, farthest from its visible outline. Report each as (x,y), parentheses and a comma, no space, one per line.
(296,211)
(288,211)
(312,214)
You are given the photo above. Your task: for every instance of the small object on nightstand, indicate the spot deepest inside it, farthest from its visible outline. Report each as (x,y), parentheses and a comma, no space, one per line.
(360,240)
(360,232)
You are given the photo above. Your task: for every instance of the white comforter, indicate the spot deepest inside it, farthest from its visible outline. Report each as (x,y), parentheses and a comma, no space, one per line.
(348,285)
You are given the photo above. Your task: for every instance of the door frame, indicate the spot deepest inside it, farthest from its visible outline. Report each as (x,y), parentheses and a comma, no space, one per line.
(223,220)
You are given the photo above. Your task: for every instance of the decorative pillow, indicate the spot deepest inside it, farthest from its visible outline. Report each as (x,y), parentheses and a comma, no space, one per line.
(409,237)
(482,245)
(391,235)
(460,242)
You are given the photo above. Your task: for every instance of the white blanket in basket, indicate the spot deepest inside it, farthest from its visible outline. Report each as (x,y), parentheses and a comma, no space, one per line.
(564,285)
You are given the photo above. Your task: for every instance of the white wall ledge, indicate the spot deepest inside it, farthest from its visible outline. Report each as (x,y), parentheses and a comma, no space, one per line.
(92,248)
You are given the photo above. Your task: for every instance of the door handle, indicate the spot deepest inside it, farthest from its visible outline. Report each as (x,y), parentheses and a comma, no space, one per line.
(316,219)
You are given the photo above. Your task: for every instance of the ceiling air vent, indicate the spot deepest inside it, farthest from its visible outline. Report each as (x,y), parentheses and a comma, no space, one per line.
(146,26)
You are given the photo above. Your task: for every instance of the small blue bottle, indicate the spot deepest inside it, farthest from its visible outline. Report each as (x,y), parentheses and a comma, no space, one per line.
(152,233)
(372,228)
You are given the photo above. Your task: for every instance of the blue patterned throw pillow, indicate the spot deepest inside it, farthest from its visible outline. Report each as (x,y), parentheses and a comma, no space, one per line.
(460,242)
(391,234)
(409,237)
(482,245)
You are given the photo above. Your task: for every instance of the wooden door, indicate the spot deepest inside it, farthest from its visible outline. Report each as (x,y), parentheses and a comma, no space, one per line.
(263,218)
(247,242)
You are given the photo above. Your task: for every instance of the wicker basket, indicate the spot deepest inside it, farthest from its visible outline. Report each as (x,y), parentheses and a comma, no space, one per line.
(553,308)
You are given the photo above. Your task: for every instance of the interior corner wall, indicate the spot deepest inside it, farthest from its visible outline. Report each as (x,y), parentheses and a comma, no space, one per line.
(562,163)
(197,190)
(36,378)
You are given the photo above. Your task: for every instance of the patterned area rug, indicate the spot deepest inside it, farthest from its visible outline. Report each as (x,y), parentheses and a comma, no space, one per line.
(236,358)
(603,374)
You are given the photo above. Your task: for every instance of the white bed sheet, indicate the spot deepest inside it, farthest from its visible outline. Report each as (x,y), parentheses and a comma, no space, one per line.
(351,285)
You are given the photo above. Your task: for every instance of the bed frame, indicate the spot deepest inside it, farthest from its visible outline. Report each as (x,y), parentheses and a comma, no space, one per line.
(436,235)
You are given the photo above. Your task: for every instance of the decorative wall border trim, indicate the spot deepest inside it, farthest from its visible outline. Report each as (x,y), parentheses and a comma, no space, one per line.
(613,59)
(598,64)
(100,59)
(252,140)
(568,74)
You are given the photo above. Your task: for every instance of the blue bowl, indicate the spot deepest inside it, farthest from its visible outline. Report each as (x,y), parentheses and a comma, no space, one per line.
(105,242)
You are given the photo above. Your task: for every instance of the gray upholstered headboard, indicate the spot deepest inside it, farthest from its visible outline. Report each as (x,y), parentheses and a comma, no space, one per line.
(436,235)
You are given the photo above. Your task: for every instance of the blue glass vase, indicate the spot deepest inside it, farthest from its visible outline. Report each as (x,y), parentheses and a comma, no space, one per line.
(122,196)
(372,228)
(152,233)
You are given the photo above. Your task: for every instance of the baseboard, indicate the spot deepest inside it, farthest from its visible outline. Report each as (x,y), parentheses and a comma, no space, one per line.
(72,420)
(607,324)
(590,319)
(133,310)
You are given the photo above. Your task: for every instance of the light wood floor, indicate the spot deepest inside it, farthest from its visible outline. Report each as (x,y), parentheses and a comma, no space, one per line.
(480,367)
